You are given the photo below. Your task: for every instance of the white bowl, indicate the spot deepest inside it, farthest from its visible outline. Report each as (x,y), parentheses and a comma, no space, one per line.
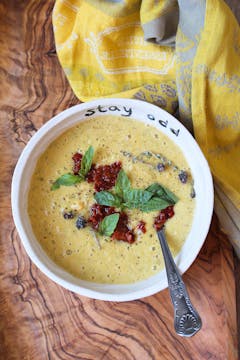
(141,111)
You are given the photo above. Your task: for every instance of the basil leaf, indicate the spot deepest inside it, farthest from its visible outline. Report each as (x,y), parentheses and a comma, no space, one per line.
(122,183)
(156,189)
(171,195)
(66,180)
(134,198)
(86,162)
(108,199)
(155,204)
(163,193)
(108,224)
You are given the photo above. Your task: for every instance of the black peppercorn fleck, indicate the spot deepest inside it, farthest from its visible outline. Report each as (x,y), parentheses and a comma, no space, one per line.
(193,193)
(160,167)
(68,215)
(81,222)
(183,176)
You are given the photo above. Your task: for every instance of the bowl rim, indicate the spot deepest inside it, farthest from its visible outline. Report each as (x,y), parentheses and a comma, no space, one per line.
(99,291)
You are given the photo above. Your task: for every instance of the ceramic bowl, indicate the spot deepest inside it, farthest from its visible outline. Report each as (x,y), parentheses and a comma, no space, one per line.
(141,111)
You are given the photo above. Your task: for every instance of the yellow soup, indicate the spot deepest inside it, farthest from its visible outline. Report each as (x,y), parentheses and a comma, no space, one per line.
(76,250)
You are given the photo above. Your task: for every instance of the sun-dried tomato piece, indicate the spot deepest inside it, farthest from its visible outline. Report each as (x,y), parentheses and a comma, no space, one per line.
(163,216)
(126,235)
(91,174)
(141,226)
(98,213)
(122,231)
(77,158)
(104,176)
(169,211)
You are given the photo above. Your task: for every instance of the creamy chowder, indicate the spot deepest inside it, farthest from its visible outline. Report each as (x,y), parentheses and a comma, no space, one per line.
(147,156)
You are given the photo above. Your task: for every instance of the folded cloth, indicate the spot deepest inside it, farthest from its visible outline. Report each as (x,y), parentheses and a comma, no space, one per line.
(180,55)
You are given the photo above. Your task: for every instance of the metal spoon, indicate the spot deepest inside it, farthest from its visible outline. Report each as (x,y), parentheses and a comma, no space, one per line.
(186,319)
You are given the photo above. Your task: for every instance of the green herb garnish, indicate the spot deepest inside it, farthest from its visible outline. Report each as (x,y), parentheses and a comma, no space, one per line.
(108,224)
(154,204)
(66,180)
(71,179)
(135,198)
(155,197)
(107,198)
(163,192)
(123,184)
(86,162)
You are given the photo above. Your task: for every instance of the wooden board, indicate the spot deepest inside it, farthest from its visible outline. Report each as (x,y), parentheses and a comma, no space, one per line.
(40,320)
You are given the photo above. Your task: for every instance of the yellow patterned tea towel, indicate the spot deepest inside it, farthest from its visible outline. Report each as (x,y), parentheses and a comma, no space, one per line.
(181,55)
(215,110)
(102,50)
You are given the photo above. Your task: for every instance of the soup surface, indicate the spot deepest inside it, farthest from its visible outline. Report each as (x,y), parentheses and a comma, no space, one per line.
(83,252)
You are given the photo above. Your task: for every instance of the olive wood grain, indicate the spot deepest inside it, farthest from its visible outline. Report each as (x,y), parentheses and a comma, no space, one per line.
(40,320)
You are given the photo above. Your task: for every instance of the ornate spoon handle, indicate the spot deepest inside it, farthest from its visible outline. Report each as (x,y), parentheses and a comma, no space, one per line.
(186,319)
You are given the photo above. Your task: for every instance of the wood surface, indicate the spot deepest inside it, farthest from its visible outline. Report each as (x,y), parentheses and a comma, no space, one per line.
(40,320)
